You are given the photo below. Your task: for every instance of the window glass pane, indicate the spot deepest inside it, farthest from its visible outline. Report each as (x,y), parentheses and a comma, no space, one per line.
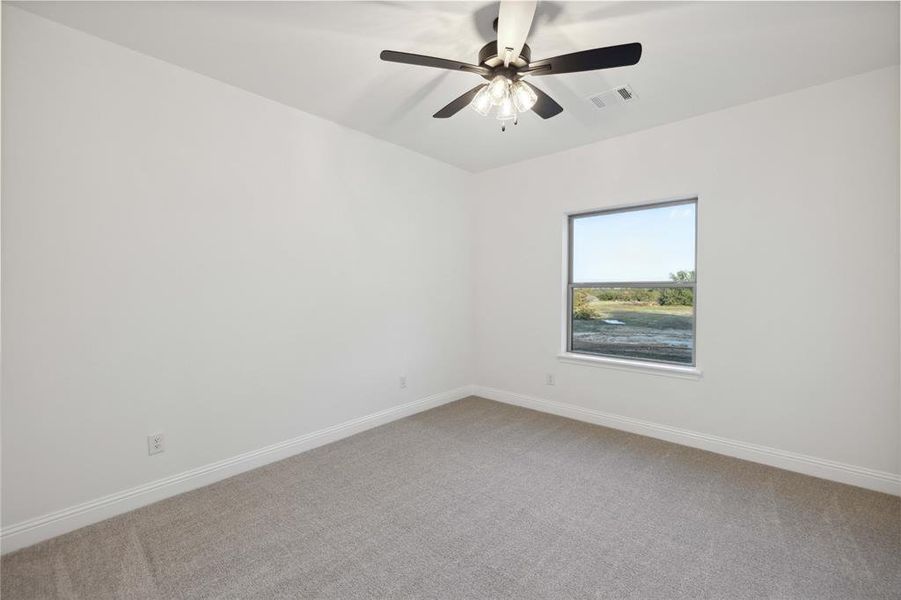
(649,244)
(641,323)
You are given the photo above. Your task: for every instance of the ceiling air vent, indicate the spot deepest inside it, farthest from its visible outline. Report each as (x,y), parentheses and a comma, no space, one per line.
(617,96)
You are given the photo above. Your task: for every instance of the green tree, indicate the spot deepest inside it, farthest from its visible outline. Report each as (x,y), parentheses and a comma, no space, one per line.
(678,296)
(581,299)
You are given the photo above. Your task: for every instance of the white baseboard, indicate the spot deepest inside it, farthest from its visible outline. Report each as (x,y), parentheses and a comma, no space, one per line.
(872,479)
(63,521)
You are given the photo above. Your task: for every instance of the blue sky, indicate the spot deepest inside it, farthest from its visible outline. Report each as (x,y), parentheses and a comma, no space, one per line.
(637,245)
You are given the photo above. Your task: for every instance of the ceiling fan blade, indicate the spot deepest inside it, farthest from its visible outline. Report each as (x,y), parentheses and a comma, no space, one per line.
(430,61)
(513,23)
(587,60)
(458,104)
(545,107)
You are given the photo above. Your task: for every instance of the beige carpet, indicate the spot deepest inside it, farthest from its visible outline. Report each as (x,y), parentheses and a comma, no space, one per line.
(481,500)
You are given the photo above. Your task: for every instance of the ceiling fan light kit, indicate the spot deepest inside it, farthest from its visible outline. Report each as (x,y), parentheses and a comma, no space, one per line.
(505,62)
(499,89)
(523,96)
(482,102)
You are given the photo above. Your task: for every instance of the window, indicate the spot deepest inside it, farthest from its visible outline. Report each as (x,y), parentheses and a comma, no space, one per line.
(632,278)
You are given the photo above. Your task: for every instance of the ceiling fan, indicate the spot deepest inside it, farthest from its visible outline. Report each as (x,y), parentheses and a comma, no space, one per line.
(504,63)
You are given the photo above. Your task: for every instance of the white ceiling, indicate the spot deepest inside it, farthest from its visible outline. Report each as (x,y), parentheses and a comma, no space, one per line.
(322,57)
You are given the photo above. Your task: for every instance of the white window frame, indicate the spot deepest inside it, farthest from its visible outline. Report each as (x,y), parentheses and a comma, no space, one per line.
(649,366)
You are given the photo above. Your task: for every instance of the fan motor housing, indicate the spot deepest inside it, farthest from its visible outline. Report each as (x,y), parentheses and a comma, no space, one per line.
(488,57)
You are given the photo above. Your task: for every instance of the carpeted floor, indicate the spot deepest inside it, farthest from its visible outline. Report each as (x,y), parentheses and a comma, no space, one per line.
(477,499)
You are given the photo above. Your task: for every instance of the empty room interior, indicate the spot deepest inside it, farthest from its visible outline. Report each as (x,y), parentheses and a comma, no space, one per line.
(450,300)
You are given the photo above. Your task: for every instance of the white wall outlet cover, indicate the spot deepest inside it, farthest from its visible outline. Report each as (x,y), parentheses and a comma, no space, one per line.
(403,382)
(550,379)
(155,444)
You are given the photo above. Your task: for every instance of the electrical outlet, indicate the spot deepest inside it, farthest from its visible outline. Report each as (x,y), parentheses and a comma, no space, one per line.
(403,382)
(549,379)
(155,444)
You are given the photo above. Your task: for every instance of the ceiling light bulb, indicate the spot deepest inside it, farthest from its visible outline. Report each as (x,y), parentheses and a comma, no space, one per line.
(498,89)
(506,110)
(482,102)
(524,97)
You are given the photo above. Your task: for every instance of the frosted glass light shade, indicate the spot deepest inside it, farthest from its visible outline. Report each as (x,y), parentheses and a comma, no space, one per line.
(499,89)
(506,110)
(482,102)
(524,96)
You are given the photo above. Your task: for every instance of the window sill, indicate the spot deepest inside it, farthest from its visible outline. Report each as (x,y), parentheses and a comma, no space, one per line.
(650,368)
